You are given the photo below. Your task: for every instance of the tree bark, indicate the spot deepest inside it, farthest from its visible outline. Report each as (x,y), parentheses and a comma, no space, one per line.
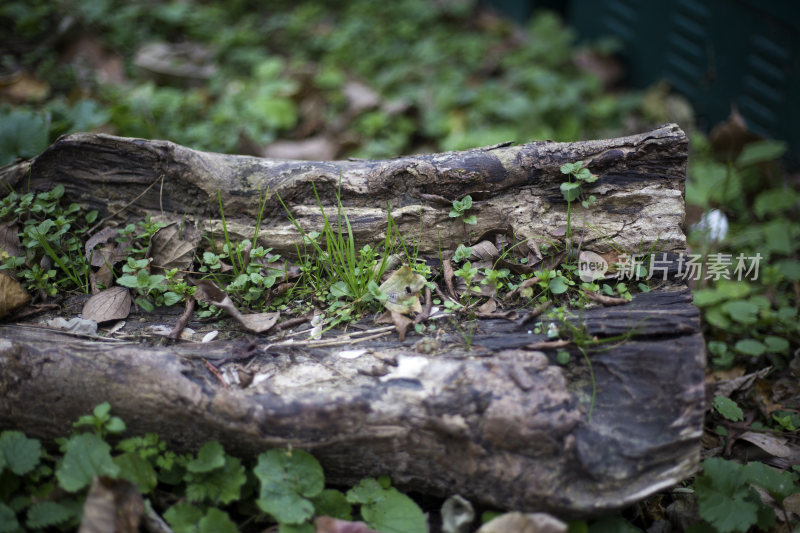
(639,191)
(485,413)
(501,424)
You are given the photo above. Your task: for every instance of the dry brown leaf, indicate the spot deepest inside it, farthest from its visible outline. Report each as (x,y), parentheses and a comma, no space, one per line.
(484,251)
(110,304)
(168,250)
(112,505)
(489,306)
(210,293)
(403,288)
(9,241)
(101,237)
(12,295)
(773,445)
(447,271)
(400,321)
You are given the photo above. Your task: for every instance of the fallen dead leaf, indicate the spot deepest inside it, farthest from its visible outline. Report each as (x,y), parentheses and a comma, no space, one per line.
(403,288)
(12,295)
(101,237)
(210,293)
(112,505)
(168,250)
(78,326)
(110,304)
(772,444)
(484,251)
(9,241)
(400,321)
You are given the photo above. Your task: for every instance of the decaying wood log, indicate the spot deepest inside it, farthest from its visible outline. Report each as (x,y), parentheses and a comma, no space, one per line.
(483,413)
(639,194)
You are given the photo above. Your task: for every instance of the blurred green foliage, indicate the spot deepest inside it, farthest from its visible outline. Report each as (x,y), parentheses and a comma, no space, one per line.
(460,80)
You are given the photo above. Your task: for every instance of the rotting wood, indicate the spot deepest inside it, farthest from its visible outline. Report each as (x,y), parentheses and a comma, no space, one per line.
(498,423)
(639,194)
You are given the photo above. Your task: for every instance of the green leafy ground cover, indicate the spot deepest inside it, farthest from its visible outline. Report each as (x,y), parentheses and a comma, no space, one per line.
(475,79)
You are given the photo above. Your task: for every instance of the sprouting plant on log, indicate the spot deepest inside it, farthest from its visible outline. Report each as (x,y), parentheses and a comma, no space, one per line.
(577,175)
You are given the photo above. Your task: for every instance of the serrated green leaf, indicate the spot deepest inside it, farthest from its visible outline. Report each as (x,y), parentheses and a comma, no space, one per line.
(86,456)
(728,408)
(20,454)
(137,470)
(750,347)
(216,521)
(8,519)
(45,514)
(722,496)
(210,456)
(331,502)
(171,298)
(394,513)
(183,517)
(221,485)
(288,479)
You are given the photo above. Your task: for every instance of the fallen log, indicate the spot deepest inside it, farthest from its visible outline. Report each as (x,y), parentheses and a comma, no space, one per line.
(639,191)
(484,413)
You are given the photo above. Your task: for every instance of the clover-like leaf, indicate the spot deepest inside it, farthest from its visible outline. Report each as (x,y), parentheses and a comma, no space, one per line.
(20,453)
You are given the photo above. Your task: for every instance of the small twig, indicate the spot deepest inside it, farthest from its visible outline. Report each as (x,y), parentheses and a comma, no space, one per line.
(603,299)
(447,266)
(530,282)
(533,313)
(183,320)
(292,322)
(124,207)
(33,310)
(426,311)
(214,370)
(548,344)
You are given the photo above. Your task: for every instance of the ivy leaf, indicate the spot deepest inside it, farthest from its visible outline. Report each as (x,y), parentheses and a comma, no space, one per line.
(728,408)
(750,347)
(216,521)
(86,456)
(210,457)
(288,479)
(137,470)
(20,453)
(46,514)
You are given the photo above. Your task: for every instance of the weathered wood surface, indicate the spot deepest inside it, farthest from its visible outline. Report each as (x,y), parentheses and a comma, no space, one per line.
(499,423)
(639,193)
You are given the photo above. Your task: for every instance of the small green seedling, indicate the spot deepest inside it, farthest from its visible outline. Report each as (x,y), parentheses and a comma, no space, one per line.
(460,208)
